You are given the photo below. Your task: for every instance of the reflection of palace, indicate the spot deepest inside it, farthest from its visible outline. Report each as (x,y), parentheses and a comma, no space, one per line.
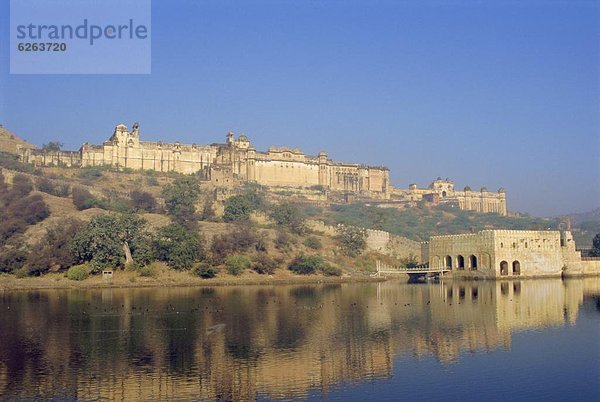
(240,343)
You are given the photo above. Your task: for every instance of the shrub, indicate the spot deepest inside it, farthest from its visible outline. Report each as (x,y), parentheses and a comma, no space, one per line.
(44,185)
(53,248)
(22,273)
(143,201)
(31,209)
(12,259)
(353,240)
(204,270)
(305,265)
(288,215)
(313,242)
(90,173)
(237,263)
(330,270)
(22,185)
(263,264)
(83,199)
(11,227)
(239,239)
(147,271)
(283,240)
(78,273)
(208,212)
(409,262)
(152,181)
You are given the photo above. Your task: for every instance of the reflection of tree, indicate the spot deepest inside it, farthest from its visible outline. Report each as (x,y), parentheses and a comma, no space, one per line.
(239,342)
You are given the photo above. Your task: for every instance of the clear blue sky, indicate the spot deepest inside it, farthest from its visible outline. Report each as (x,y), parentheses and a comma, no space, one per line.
(501,93)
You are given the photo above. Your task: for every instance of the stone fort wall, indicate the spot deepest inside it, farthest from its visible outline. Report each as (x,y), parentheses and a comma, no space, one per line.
(377,240)
(509,254)
(236,159)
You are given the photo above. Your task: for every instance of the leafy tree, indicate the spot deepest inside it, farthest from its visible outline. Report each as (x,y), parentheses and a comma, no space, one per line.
(178,246)
(52,146)
(108,241)
(353,240)
(237,208)
(181,198)
(288,215)
(595,246)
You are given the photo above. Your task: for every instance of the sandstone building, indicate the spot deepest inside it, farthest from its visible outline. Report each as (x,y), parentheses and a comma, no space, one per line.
(509,253)
(236,159)
(443,192)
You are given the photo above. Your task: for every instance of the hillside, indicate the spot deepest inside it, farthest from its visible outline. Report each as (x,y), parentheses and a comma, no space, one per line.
(9,141)
(185,223)
(421,223)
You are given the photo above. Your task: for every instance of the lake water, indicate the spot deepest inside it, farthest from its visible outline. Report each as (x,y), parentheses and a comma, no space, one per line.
(533,339)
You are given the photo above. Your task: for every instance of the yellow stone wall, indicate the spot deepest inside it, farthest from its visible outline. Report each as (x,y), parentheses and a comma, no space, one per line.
(279,166)
(505,253)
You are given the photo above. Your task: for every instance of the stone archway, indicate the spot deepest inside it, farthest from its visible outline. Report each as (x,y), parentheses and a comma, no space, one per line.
(460,262)
(473,262)
(516,268)
(503,268)
(448,262)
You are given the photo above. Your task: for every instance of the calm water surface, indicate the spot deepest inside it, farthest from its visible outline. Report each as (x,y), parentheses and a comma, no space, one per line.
(536,339)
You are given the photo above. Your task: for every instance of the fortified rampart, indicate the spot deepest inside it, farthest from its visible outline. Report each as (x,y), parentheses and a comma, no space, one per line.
(378,240)
(223,164)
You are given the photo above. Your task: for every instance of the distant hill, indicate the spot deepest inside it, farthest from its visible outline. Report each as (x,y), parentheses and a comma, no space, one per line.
(9,141)
(590,216)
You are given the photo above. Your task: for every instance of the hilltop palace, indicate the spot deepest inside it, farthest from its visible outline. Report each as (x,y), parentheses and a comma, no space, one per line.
(237,160)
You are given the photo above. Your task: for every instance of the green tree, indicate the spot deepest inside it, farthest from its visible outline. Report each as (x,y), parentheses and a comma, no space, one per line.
(595,246)
(237,208)
(52,146)
(181,198)
(178,246)
(353,240)
(288,215)
(109,241)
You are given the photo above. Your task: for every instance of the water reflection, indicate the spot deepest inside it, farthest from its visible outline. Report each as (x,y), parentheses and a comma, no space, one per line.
(243,342)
